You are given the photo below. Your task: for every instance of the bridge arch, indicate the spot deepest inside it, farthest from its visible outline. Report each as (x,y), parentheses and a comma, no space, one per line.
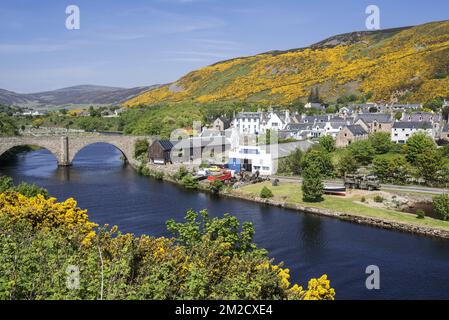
(74,151)
(52,145)
(5,149)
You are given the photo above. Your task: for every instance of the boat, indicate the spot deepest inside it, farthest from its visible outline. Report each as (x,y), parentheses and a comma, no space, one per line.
(335,190)
(224,176)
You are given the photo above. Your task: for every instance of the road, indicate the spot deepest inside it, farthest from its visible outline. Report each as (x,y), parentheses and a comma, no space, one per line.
(419,189)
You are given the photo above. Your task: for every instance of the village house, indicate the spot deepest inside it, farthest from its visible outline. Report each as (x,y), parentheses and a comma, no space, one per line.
(365,107)
(298,131)
(249,122)
(345,112)
(375,122)
(221,124)
(275,121)
(403,130)
(159,152)
(404,107)
(349,135)
(434,118)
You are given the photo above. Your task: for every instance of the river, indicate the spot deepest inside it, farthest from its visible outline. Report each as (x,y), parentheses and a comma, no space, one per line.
(411,266)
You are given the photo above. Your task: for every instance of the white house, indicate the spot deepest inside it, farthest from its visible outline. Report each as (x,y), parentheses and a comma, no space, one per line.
(403,130)
(254,158)
(275,121)
(248,122)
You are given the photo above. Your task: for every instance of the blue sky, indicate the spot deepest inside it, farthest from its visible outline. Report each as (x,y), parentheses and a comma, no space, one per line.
(143,42)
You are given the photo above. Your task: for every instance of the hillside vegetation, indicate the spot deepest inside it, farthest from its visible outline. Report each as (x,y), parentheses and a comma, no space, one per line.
(397,65)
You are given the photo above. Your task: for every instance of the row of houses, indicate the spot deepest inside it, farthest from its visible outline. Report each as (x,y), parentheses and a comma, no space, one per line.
(302,127)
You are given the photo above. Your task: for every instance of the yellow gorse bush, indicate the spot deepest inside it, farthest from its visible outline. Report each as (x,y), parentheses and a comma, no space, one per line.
(47,213)
(402,64)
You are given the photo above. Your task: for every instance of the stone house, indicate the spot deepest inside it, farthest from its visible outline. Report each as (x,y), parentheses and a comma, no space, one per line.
(349,135)
(221,124)
(375,122)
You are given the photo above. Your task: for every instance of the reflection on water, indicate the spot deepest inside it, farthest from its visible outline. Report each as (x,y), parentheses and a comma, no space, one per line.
(411,266)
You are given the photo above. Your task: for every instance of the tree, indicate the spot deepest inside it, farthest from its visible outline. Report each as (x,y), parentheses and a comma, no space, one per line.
(434,104)
(418,143)
(347,164)
(312,185)
(38,122)
(391,169)
(320,159)
(292,163)
(381,142)
(428,165)
(7,126)
(362,151)
(314,96)
(141,148)
(327,143)
(441,206)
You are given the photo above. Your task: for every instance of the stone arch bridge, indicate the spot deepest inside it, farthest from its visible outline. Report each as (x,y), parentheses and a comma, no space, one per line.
(65,148)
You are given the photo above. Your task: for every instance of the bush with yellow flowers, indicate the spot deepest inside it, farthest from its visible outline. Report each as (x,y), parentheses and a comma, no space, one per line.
(50,250)
(47,213)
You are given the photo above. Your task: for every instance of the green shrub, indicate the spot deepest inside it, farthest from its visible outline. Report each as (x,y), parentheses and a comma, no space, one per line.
(182,172)
(29,190)
(266,193)
(441,206)
(363,199)
(216,186)
(189,183)
(159,175)
(420,214)
(379,199)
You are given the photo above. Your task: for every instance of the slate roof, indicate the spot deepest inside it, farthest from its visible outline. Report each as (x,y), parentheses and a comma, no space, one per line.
(249,115)
(166,145)
(299,126)
(371,117)
(421,116)
(313,119)
(226,122)
(357,130)
(412,125)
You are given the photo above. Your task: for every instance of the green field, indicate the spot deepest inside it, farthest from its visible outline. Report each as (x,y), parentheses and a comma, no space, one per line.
(291,193)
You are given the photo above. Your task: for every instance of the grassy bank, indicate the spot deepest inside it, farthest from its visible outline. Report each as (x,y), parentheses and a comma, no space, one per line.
(291,193)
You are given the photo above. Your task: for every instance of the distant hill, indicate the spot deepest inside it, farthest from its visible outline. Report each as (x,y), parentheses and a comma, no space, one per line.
(72,96)
(409,64)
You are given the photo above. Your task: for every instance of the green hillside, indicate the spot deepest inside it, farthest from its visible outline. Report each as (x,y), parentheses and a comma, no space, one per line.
(397,65)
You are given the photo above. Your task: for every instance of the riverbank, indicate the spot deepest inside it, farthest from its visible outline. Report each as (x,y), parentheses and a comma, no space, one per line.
(349,208)
(352,208)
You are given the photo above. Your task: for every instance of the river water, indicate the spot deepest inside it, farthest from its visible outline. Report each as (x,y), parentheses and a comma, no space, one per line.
(411,267)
